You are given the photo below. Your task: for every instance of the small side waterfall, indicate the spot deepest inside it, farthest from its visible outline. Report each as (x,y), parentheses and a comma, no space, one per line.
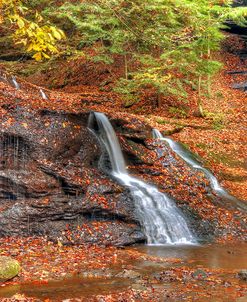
(16,84)
(162,221)
(43,94)
(194,163)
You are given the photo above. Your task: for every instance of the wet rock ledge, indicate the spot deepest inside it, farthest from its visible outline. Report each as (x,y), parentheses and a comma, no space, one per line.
(50,184)
(53,183)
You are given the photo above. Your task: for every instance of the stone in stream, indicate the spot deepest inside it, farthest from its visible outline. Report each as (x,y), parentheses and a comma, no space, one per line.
(9,268)
(129,274)
(199,274)
(242,275)
(241,86)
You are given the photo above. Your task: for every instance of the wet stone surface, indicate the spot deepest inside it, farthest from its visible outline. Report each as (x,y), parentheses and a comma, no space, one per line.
(53,183)
(50,184)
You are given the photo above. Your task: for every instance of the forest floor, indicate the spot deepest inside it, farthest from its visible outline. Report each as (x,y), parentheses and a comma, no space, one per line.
(219,139)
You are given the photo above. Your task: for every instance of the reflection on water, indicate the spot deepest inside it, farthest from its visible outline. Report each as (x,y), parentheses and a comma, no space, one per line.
(210,256)
(66,289)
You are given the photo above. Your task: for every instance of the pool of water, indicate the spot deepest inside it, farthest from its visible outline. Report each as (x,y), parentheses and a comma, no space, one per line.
(215,256)
(67,289)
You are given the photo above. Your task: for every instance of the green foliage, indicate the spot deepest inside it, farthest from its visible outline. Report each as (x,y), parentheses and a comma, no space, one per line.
(178,112)
(218,119)
(162,121)
(169,40)
(219,95)
(165,45)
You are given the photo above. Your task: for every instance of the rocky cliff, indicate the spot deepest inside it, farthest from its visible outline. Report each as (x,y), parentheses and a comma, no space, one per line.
(52,183)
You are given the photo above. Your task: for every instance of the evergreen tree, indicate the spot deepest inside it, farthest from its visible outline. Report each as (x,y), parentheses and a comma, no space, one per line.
(170,41)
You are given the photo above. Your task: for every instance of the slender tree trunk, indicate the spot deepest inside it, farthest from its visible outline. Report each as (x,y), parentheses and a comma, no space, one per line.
(199,101)
(200,86)
(209,58)
(159,100)
(126,66)
(209,76)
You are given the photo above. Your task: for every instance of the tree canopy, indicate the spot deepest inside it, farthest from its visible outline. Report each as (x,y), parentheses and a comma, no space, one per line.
(165,45)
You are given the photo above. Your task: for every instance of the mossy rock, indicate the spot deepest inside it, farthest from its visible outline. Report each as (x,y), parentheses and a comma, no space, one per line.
(9,268)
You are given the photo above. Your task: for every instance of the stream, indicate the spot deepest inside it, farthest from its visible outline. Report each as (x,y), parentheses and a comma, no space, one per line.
(215,256)
(228,258)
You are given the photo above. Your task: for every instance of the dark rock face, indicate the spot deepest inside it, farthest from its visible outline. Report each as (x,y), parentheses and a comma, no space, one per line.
(50,184)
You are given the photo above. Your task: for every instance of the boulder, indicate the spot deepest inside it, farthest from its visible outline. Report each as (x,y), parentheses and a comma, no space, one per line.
(242,275)
(199,274)
(9,268)
(129,274)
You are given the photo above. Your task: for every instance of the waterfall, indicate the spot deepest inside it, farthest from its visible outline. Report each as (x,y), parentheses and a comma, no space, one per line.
(188,157)
(42,93)
(162,221)
(17,86)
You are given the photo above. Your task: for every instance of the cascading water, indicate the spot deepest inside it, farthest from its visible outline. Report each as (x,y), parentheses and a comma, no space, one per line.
(191,160)
(43,94)
(162,221)
(16,84)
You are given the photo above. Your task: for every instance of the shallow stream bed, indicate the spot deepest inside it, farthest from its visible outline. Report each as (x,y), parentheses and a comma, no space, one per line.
(215,256)
(153,274)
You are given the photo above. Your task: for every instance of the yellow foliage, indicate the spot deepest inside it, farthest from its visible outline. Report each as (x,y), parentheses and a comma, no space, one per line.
(153,77)
(38,39)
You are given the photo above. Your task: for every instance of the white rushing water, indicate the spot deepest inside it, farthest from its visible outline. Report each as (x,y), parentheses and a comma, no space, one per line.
(16,84)
(43,95)
(162,221)
(188,157)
